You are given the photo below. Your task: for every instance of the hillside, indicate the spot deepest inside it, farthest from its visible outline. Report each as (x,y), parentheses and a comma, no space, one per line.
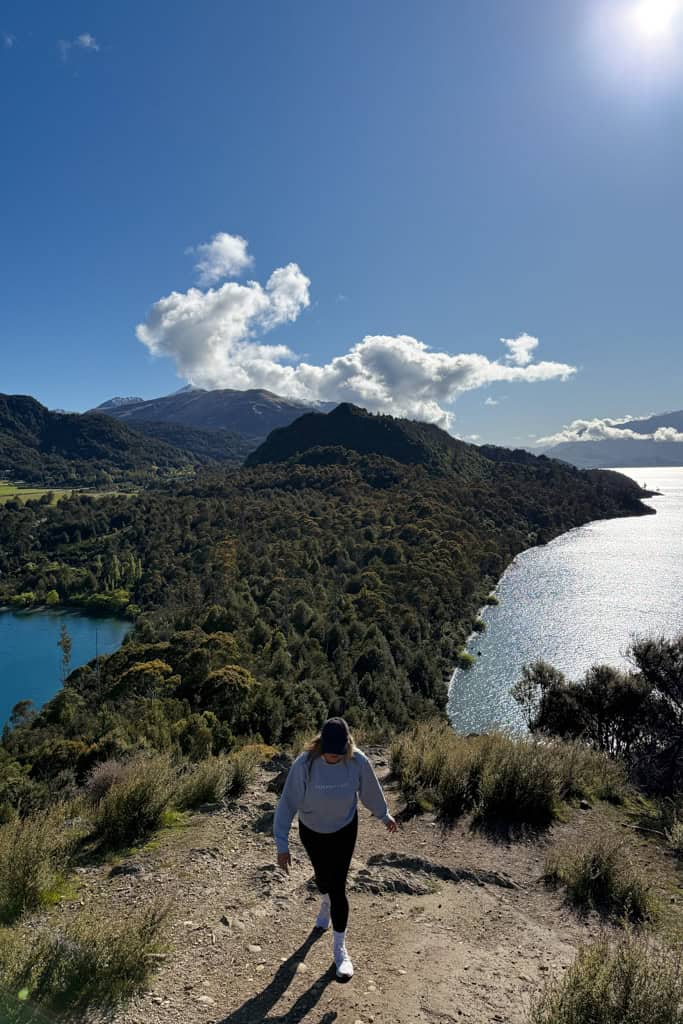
(251,414)
(627,452)
(52,449)
(202,445)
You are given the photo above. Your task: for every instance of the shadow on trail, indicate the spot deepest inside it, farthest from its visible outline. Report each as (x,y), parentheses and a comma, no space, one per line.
(256,1009)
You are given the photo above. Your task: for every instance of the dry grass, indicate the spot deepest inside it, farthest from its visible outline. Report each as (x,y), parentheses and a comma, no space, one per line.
(624,982)
(600,877)
(133,807)
(81,972)
(34,857)
(205,783)
(501,778)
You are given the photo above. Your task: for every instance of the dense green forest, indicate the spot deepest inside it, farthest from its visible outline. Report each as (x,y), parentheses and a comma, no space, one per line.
(53,449)
(261,596)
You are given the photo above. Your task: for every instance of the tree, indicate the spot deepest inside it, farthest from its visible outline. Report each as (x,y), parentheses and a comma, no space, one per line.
(65,643)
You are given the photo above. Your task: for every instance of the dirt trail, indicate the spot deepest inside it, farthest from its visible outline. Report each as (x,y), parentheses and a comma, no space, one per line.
(444,926)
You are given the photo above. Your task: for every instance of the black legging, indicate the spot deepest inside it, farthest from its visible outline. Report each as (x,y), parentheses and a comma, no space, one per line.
(330,854)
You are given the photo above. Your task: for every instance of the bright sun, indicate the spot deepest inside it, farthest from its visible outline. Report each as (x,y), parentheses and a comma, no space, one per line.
(653,19)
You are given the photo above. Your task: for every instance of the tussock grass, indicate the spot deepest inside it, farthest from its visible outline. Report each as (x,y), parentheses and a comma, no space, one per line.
(82,972)
(103,776)
(34,856)
(600,877)
(206,783)
(133,807)
(625,982)
(501,778)
(243,764)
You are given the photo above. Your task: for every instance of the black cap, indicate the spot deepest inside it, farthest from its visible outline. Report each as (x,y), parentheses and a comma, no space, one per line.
(334,736)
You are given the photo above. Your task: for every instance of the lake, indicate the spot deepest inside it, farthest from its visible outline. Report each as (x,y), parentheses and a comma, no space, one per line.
(577,601)
(30,660)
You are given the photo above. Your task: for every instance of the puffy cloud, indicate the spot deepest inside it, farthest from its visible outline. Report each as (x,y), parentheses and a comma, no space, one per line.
(224,256)
(607,430)
(520,349)
(215,336)
(667,434)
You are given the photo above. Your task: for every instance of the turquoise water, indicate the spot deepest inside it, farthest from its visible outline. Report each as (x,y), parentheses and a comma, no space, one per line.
(30,660)
(577,601)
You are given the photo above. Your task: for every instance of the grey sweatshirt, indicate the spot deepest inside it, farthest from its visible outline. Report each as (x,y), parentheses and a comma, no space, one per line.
(325,796)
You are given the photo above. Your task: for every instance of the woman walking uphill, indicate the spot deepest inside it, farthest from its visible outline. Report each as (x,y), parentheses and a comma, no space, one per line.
(323,787)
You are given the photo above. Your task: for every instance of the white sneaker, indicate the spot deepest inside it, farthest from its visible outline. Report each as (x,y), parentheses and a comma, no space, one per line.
(322,921)
(342,959)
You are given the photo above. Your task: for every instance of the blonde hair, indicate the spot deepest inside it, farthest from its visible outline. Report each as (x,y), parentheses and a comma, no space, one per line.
(314,748)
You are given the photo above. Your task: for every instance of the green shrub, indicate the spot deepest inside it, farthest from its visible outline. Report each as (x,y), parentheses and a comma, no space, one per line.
(600,877)
(81,973)
(103,776)
(492,600)
(243,764)
(479,626)
(626,982)
(504,779)
(585,772)
(34,854)
(518,782)
(205,783)
(464,660)
(134,807)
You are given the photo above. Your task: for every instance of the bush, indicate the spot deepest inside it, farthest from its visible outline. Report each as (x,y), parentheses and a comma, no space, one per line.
(97,962)
(600,877)
(34,853)
(105,775)
(492,600)
(134,807)
(479,626)
(206,783)
(500,777)
(464,660)
(627,982)
(243,767)
(584,772)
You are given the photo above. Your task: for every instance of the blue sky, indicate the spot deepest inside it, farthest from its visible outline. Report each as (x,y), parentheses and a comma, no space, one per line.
(440,174)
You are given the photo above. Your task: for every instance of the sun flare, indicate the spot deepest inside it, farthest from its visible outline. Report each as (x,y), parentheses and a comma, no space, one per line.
(654,19)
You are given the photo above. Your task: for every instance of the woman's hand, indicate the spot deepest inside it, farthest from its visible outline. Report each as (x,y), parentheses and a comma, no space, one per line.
(284,861)
(391,825)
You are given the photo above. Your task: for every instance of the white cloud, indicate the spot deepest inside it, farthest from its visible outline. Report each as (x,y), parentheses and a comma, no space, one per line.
(607,430)
(667,434)
(215,337)
(491,401)
(520,349)
(86,42)
(8,40)
(224,256)
(83,42)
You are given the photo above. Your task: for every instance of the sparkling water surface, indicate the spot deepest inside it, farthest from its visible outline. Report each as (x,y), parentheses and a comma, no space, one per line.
(577,601)
(30,660)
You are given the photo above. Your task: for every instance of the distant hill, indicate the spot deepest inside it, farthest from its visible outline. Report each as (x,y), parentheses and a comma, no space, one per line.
(626,451)
(50,448)
(251,414)
(348,432)
(203,445)
(352,428)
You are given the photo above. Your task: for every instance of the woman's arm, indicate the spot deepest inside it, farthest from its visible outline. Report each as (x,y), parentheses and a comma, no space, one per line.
(370,790)
(289,803)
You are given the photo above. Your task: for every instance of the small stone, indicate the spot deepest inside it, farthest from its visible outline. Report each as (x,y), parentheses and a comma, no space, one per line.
(157,999)
(207,1000)
(259,968)
(402,972)
(584,805)
(301,968)
(253,948)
